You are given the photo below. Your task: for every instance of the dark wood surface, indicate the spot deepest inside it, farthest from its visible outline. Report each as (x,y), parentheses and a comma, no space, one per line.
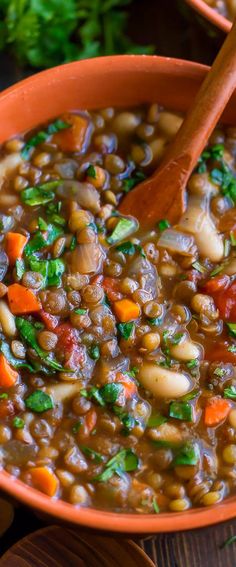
(176,32)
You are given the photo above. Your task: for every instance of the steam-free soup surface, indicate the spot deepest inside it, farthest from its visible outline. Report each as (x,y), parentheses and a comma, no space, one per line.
(117,346)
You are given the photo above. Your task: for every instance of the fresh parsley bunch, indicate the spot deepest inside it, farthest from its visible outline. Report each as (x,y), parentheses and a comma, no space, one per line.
(43,33)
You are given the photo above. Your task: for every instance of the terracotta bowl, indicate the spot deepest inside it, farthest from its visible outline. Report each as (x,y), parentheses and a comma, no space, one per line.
(211,15)
(119,81)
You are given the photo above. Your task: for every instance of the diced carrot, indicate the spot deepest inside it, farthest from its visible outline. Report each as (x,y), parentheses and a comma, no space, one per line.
(14,246)
(111,288)
(72,139)
(22,300)
(90,421)
(8,375)
(45,480)
(99,177)
(128,384)
(126,310)
(216,410)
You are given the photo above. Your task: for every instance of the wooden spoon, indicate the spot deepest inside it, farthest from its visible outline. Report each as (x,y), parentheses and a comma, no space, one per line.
(163,195)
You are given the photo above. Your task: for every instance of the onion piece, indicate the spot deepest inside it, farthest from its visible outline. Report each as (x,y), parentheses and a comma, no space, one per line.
(4,263)
(176,241)
(87,258)
(84,193)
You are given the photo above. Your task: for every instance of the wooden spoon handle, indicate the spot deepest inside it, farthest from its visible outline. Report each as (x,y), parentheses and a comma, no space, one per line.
(207,107)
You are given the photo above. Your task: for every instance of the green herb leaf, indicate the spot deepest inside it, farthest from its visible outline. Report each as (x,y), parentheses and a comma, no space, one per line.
(42,239)
(127,248)
(156,419)
(187,455)
(232,329)
(73,243)
(125,329)
(15,362)
(177,338)
(220,372)
(130,183)
(76,426)
(39,195)
(42,224)
(39,402)
(199,267)
(4,396)
(230,392)
(51,270)
(94,352)
(110,392)
(42,136)
(80,311)
(125,461)
(124,228)
(181,410)
(93,455)
(18,423)
(28,333)
(232,348)
(155,506)
(91,171)
(163,225)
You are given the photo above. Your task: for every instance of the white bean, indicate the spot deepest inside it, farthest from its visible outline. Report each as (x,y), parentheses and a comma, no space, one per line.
(197,221)
(185,350)
(162,382)
(7,320)
(8,164)
(62,392)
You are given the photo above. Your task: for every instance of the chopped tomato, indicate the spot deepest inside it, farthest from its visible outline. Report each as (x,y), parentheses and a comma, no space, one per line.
(67,345)
(217,284)
(220,352)
(111,287)
(226,302)
(50,321)
(128,384)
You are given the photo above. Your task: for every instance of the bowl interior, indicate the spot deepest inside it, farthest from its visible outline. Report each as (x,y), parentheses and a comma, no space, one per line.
(210,14)
(119,81)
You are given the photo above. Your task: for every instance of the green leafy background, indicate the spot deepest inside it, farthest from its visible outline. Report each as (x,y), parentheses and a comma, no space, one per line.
(43,33)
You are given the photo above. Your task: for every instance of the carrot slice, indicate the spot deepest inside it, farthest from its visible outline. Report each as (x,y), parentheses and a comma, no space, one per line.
(45,480)
(72,139)
(8,376)
(90,421)
(216,410)
(126,310)
(14,246)
(22,300)
(129,386)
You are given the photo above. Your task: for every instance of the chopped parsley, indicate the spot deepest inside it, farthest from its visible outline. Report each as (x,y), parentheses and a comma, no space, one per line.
(91,171)
(130,183)
(39,195)
(199,267)
(230,392)
(124,461)
(42,136)
(232,329)
(163,224)
(125,226)
(126,329)
(18,423)
(39,402)
(94,352)
(181,410)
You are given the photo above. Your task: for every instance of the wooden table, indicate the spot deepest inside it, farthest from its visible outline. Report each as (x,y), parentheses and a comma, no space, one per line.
(179,36)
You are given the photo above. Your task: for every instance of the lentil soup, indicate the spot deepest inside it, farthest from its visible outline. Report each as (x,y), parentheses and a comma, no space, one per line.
(117,347)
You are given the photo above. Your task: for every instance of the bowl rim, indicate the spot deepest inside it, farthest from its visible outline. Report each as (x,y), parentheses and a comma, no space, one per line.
(63,511)
(210,14)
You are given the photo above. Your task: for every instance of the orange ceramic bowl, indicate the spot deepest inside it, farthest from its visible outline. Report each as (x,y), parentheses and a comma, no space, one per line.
(120,81)
(210,14)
